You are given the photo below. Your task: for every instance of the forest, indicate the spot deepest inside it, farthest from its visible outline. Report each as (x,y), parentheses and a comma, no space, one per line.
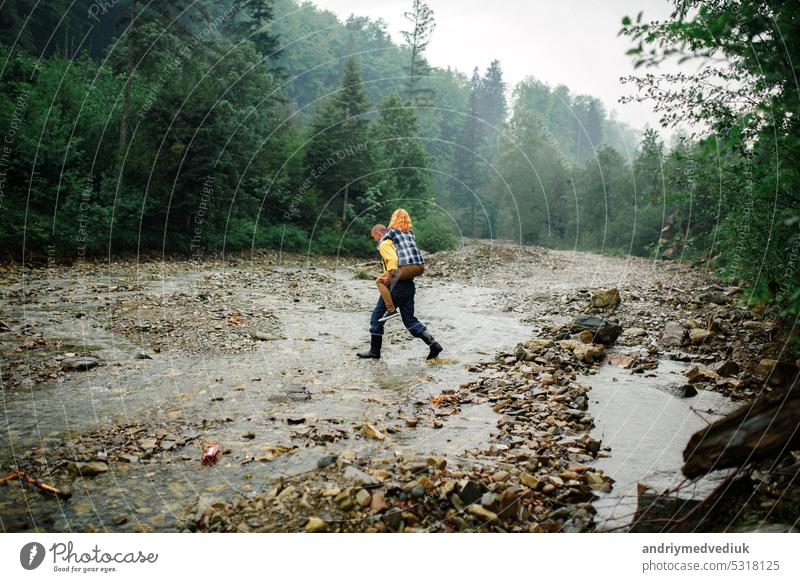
(196,128)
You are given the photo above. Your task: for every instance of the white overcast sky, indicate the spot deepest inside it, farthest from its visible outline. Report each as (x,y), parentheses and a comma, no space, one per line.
(573,42)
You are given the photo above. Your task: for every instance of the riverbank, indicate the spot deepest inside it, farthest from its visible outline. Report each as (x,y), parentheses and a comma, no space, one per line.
(118,375)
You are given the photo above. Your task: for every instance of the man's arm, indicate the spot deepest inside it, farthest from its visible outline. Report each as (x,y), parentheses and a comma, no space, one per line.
(389,256)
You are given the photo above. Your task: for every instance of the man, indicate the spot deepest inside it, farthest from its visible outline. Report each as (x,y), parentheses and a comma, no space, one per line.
(403,297)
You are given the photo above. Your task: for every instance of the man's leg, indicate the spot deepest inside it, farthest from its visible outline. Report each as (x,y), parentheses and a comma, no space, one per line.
(376,332)
(404,299)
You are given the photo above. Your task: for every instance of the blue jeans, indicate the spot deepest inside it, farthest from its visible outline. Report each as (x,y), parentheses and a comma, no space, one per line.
(403,297)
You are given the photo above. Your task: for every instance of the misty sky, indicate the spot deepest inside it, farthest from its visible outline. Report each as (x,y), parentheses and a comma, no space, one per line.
(573,42)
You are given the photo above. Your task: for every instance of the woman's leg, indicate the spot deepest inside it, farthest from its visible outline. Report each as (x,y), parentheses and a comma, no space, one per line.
(407,272)
(386,295)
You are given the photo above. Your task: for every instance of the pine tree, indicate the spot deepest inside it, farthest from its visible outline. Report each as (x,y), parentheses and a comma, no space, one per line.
(261,13)
(339,154)
(468,155)
(172,23)
(417,39)
(400,151)
(493,106)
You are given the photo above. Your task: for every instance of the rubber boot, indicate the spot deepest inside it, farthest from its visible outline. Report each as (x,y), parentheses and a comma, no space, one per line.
(436,348)
(374,350)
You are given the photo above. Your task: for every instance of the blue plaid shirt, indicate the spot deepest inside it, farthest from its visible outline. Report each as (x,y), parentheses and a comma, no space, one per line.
(406,245)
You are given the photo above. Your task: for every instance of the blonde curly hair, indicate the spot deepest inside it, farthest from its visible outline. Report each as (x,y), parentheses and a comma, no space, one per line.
(401,220)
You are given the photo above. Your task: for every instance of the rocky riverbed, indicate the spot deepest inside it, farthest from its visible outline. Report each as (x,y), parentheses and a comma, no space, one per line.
(117,376)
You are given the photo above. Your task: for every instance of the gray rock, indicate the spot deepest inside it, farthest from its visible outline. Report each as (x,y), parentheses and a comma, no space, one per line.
(717,297)
(490,501)
(727,368)
(141,355)
(296,392)
(326,461)
(681,390)
(80,364)
(363,497)
(87,469)
(360,477)
(674,334)
(604,330)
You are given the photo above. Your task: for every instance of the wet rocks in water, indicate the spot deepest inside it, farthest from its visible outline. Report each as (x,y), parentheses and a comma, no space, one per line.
(291,392)
(80,364)
(606,298)
(141,355)
(89,469)
(604,330)
(682,390)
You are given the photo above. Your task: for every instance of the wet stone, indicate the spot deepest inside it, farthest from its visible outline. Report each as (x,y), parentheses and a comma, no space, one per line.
(470,493)
(363,497)
(316,525)
(326,461)
(88,469)
(80,364)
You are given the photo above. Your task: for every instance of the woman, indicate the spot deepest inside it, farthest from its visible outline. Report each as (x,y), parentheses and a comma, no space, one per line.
(410,263)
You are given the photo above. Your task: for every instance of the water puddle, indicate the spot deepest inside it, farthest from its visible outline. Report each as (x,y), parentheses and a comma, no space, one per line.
(647,427)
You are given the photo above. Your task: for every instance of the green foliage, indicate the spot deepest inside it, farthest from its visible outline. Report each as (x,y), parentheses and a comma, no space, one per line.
(740,172)
(435,233)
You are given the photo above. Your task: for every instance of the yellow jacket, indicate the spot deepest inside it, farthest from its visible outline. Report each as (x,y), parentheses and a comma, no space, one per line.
(388,255)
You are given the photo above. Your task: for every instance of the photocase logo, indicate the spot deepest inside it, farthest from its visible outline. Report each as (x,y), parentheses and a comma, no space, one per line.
(31,555)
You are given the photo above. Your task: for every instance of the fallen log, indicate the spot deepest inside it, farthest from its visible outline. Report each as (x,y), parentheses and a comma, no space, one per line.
(767,428)
(44,487)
